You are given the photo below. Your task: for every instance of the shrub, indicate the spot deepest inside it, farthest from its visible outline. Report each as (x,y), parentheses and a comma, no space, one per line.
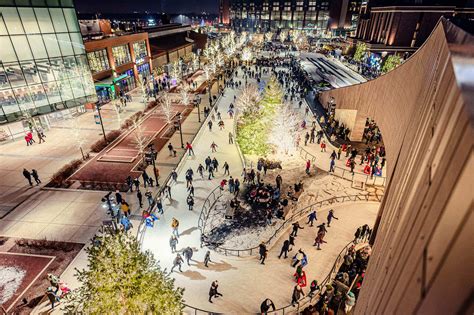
(100,144)
(59,178)
(45,244)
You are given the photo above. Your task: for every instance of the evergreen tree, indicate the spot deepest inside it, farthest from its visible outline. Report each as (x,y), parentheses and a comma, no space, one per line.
(121,279)
(360,51)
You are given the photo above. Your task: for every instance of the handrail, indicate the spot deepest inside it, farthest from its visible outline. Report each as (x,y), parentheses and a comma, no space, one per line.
(371,180)
(296,216)
(323,283)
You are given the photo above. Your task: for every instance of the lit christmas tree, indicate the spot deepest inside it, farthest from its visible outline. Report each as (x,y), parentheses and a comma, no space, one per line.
(255,123)
(121,279)
(247,102)
(284,133)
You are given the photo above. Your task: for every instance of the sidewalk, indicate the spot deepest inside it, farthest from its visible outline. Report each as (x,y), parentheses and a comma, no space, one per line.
(58,150)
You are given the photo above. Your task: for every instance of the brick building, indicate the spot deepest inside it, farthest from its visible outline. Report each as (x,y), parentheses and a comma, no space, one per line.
(403,26)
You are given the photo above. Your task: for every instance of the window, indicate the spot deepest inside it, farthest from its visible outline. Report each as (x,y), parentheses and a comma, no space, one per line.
(121,54)
(139,48)
(29,20)
(98,61)
(44,20)
(6,53)
(22,48)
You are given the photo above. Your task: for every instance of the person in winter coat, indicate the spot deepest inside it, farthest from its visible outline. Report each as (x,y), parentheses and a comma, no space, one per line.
(213,290)
(298,257)
(349,303)
(312,217)
(177,262)
(331,216)
(35,175)
(27,175)
(174,226)
(266,305)
(207,258)
(296,227)
(284,249)
(173,243)
(297,295)
(313,288)
(188,254)
(190,202)
(308,167)
(262,250)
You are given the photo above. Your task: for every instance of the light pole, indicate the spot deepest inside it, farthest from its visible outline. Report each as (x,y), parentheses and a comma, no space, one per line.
(180,131)
(197,101)
(153,156)
(210,96)
(98,106)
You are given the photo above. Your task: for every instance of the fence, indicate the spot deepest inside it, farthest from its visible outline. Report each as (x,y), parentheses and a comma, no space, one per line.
(347,174)
(212,198)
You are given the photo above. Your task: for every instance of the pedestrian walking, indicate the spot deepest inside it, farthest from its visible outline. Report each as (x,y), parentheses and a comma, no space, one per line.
(173,243)
(210,125)
(332,164)
(188,254)
(159,205)
(140,198)
(149,198)
(27,175)
(170,149)
(35,175)
(231,138)
(177,262)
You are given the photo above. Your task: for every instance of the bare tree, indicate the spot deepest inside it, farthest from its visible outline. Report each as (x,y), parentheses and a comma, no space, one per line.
(140,140)
(166,107)
(77,136)
(184,95)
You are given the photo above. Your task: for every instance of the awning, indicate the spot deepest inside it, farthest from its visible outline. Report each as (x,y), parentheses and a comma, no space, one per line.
(110,81)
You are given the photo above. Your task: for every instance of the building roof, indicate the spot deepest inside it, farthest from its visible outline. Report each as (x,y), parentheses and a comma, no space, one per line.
(168,43)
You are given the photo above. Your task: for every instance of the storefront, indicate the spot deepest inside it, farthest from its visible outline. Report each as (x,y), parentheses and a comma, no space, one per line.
(126,81)
(144,70)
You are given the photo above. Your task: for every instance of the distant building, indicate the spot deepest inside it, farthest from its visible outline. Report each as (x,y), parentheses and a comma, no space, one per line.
(44,73)
(403,26)
(325,17)
(224,11)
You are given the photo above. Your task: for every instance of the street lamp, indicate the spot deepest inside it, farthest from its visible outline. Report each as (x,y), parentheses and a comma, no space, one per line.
(153,157)
(180,131)
(98,106)
(197,102)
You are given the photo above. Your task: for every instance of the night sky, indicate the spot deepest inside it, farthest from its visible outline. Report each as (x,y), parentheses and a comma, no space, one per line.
(128,6)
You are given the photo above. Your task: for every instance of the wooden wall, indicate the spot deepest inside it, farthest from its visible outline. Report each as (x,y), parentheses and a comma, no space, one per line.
(423,252)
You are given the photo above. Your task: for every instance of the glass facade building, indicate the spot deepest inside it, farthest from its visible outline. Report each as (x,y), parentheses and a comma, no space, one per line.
(271,15)
(43,63)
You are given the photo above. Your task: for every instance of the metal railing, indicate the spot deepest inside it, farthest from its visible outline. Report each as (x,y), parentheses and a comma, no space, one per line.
(212,198)
(210,201)
(346,174)
(309,299)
